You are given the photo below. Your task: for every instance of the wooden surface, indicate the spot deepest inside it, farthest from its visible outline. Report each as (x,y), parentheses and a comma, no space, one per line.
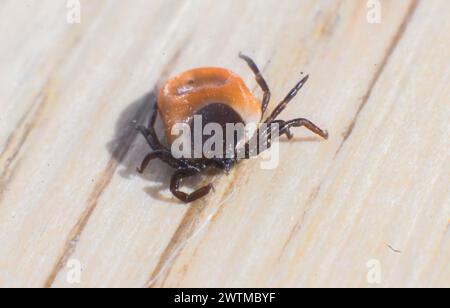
(376,193)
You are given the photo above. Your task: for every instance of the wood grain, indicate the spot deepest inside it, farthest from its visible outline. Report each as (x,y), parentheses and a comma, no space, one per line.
(377,190)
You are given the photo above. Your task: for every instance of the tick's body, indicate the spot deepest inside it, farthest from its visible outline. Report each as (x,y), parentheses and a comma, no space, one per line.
(193,91)
(219,96)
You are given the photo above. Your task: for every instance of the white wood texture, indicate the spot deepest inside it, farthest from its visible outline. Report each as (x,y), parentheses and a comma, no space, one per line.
(377,190)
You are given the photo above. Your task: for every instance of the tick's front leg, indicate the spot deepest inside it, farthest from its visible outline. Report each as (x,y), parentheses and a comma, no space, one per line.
(163,155)
(178,176)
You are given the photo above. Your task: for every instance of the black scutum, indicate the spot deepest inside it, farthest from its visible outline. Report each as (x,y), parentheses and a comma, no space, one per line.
(221,114)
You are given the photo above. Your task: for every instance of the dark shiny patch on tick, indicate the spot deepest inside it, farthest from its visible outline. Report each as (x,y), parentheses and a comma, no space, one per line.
(220,114)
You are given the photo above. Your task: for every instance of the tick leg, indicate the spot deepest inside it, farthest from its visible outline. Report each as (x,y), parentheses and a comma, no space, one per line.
(149,132)
(266,136)
(165,156)
(151,137)
(178,176)
(259,79)
(151,124)
(281,106)
(161,151)
(284,129)
(282,123)
(146,161)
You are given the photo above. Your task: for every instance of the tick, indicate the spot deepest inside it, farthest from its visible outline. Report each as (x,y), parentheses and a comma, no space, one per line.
(219,96)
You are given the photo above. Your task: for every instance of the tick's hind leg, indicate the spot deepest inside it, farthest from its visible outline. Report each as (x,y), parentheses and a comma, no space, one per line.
(259,79)
(178,176)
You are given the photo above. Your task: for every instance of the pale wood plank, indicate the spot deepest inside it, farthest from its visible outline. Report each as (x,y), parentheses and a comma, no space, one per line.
(381,180)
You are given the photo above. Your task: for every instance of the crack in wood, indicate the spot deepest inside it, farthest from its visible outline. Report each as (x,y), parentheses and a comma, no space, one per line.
(299,225)
(105,179)
(185,231)
(31,117)
(102,183)
(19,137)
(387,56)
(397,37)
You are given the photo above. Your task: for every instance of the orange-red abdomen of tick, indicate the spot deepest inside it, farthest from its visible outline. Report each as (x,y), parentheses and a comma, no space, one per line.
(188,93)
